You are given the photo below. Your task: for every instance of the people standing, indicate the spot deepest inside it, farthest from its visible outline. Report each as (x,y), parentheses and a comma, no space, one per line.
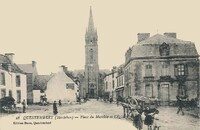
(137,120)
(24,106)
(156,121)
(180,105)
(55,110)
(148,118)
(59,103)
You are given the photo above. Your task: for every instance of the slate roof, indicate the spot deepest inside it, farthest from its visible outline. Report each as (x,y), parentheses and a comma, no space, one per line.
(40,82)
(28,68)
(150,47)
(5,61)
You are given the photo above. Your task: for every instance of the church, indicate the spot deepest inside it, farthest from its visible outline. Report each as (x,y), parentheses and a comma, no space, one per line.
(91,60)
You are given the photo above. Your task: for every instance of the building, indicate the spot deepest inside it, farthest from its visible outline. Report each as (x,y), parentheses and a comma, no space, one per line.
(62,86)
(40,85)
(162,67)
(110,82)
(91,76)
(12,79)
(31,73)
(120,82)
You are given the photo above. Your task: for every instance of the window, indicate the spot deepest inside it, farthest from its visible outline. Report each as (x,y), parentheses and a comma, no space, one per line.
(164,49)
(113,84)
(10,93)
(2,79)
(70,86)
(165,69)
(18,82)
(91,54)
(148,70)
(3,93)
(18,96)
(180,70)
(106,85)
(122,80)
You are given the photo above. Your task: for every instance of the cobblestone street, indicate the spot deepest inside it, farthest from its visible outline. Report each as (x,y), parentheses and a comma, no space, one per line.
(169,120)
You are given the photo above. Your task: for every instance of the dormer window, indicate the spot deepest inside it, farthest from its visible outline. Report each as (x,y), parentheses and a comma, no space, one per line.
(164,49)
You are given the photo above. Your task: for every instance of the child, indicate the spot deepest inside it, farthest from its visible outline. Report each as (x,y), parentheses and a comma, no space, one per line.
(148,118)
(156,121)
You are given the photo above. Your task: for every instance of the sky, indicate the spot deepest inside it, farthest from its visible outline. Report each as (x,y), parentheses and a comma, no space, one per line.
(52,33)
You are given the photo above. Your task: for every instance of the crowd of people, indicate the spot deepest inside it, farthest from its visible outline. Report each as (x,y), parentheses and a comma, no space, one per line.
(146,117)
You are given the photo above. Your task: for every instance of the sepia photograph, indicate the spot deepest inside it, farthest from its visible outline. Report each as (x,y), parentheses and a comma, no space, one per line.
(99,64)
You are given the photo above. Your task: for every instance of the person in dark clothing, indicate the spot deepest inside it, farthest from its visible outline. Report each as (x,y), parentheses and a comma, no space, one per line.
(180,105)
(55,110)
(148,118)
(111,100)
(137,120)
(59,103)
(23,106)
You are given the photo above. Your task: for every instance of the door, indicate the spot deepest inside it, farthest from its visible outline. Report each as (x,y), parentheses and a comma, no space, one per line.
(165,94)
(148,90)
(91,94)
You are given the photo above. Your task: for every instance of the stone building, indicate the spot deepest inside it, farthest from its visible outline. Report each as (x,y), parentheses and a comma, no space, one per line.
(62,86)
(91,76)
(163,67)
(31,72)
(110,82)
(120,82)
(12,79)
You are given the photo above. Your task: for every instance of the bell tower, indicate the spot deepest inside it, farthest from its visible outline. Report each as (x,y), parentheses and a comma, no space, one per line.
(91,60)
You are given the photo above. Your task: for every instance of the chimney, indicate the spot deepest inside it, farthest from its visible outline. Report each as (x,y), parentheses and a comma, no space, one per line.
(34,63)
(114,69)
(65,69)
(9,67)
(143,36)
(10,56)
(170,34)
(62,68)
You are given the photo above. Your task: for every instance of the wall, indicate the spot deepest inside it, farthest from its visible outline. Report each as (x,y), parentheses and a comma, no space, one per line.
(56,89)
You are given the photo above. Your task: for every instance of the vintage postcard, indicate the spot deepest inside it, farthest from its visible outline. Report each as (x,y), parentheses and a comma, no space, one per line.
(99,64)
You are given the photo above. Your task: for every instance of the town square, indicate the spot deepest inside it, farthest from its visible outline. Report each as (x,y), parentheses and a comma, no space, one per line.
(105,65)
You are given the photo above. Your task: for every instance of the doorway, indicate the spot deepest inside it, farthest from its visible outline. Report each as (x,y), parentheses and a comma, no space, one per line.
(165,94)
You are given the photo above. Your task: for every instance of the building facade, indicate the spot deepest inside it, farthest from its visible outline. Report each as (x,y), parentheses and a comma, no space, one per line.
(162,67)
(110,82)
(12,79)
(91,76)
(120,82)
(31,72)
(61,86)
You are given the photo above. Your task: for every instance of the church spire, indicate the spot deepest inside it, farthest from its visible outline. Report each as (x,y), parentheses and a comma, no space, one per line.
(91,23)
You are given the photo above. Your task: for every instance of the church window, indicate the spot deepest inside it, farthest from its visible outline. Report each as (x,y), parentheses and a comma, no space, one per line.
(91,54)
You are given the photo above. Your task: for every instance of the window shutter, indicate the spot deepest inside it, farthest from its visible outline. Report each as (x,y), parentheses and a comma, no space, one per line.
(186,69)
(175,70)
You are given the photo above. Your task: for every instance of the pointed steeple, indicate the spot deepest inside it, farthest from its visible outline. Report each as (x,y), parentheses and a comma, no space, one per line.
(91,23)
